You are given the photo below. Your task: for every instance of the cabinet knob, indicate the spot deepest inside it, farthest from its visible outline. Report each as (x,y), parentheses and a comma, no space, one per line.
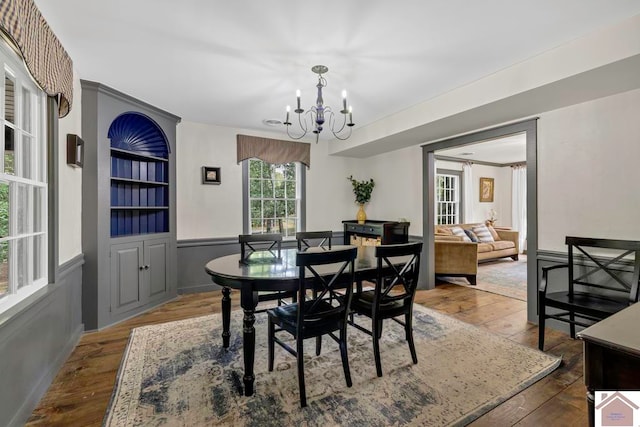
(146,267)
(141,267)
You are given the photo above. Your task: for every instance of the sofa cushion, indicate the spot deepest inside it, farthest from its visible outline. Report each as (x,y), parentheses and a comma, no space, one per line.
(493,232)
(485,247)
(483,233)
(502,244)
(445,231)
(458,231)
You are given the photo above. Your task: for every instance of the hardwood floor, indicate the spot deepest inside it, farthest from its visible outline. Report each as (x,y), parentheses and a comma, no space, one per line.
(81,391)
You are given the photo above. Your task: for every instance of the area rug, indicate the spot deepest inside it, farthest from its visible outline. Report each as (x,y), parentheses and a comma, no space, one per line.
(178,374)
(503,276)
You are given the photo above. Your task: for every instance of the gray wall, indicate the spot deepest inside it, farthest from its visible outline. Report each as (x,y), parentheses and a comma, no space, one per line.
(35,343)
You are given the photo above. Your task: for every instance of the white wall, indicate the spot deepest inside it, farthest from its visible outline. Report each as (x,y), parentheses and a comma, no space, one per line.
(398,191)
(501,196)
(588,171)
(210,211)
(70,182)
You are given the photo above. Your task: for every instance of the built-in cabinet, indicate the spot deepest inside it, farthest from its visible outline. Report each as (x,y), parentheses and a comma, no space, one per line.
(129,213)
(138,273)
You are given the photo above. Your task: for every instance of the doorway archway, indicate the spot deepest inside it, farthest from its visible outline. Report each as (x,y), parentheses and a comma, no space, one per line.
(529,127)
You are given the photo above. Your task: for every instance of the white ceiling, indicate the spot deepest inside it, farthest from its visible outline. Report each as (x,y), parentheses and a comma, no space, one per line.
(506,150)
(237,63)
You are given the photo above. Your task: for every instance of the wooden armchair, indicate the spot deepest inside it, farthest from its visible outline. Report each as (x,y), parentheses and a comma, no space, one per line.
(596,287)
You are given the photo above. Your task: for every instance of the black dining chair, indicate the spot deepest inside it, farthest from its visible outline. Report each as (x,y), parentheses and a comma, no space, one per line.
(324,314)
(393,295)
(305,238)
(264,248)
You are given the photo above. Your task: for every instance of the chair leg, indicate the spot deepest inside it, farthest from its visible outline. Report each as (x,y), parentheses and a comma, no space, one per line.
(303,392)
(541,319)
(345,357)
(572,326)
(408,328)
(318,345)
(376,345)
(270,334)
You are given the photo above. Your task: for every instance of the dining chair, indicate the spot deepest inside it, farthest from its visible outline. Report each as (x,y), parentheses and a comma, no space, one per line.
(304,239)
(324,314)
(268,247)
(392,296)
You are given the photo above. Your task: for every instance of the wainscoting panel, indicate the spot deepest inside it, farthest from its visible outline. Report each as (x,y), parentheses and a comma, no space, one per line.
(35,343)
(194,254)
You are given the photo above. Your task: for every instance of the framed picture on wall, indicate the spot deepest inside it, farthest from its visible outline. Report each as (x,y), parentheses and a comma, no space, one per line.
(486,189)
(210,175)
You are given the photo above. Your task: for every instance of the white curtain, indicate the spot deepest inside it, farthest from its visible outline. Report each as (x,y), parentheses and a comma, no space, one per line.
(467,197)
(519,203)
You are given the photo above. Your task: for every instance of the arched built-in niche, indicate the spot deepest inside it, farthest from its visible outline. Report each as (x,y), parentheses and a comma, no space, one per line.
(139,176)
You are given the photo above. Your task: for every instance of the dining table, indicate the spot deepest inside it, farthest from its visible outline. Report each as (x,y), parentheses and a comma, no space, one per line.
(270,271)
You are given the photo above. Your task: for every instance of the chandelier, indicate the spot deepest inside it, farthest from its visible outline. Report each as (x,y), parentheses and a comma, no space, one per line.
(320,115)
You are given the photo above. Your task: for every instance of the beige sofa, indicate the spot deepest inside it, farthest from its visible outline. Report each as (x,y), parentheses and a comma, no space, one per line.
(455,257)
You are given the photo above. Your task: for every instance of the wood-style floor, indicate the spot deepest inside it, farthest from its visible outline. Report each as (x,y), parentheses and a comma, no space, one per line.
(81,391)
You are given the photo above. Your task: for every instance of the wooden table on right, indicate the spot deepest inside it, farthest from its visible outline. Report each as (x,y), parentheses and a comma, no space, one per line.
(612,354)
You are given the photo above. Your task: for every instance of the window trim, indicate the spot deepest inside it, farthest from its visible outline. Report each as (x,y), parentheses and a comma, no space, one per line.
(47,107)
(245,198)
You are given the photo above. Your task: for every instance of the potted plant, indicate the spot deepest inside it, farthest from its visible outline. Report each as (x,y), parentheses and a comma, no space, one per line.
(362,190)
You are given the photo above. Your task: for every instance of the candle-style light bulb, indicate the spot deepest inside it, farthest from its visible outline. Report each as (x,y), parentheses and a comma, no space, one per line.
(344,102)
(298,97)
(350,115)
(286,122)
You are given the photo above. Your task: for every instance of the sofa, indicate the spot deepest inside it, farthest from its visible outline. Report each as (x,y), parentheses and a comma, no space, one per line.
(455,256)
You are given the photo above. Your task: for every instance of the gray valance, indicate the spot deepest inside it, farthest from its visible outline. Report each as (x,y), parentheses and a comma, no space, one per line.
(46,59)
(274,151)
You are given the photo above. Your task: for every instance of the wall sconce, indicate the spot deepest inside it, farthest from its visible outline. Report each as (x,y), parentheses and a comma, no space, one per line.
(75,150)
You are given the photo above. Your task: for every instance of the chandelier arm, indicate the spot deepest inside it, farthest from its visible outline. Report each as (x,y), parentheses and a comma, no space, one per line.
(293,136)
(342,138)
(332,122)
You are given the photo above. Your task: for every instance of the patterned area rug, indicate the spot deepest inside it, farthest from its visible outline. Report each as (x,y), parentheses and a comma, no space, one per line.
(503,276)
(178,374)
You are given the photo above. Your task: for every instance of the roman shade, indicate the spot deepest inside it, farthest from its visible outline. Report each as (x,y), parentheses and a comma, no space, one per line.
(273,151)
(43,54)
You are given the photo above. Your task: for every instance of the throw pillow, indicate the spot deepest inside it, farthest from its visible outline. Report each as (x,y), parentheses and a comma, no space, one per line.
(445,231)
(494,233)
(458,231)
(471,235)
(483,233)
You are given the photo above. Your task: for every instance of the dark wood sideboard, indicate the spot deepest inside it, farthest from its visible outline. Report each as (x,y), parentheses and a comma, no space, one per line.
(389,232)
(612,355)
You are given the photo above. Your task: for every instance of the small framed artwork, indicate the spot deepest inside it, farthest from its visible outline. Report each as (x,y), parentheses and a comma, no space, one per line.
(75,150)
(486,189)
(210,175)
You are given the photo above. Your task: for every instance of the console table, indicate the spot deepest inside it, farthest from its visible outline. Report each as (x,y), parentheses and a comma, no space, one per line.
(389,232)
(612,354)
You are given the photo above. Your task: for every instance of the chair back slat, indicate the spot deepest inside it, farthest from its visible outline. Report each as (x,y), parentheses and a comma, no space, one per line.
(252,243)
(327,301)
(591,273)
(304,239)
(390,278)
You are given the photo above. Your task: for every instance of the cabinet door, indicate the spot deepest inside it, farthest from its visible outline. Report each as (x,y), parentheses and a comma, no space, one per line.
(155,264)
(126,277)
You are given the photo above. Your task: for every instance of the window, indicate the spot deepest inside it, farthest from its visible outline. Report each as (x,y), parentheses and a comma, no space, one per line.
(274,198)
(448,207)
(23,183)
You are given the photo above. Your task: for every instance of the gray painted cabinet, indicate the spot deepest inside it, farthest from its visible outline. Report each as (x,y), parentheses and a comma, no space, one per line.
(128,206)
(138,273)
